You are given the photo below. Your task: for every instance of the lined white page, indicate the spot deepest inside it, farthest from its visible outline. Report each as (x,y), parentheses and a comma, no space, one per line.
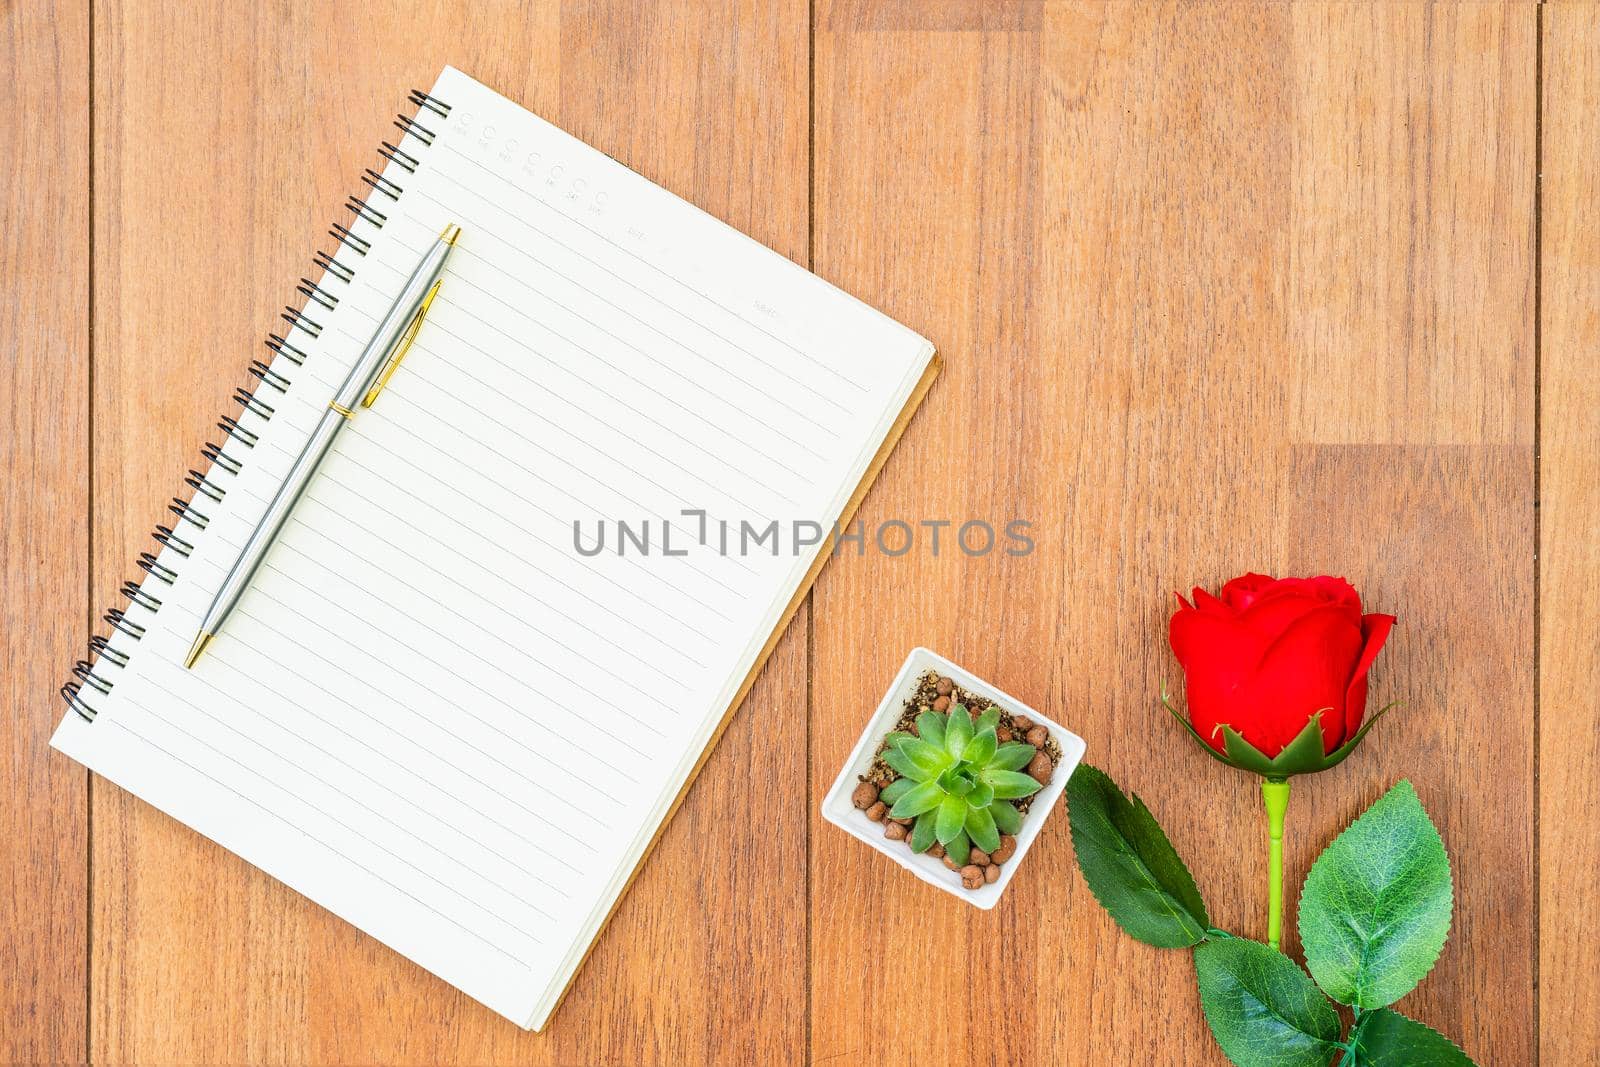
(430,713)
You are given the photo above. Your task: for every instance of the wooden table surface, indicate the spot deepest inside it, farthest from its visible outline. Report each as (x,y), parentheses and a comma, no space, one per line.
(1219,286)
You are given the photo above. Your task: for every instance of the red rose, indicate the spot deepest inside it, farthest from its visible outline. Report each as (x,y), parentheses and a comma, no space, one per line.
(1270,653)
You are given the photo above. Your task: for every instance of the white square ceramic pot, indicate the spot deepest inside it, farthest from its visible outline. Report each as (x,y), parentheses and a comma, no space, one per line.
(838,809)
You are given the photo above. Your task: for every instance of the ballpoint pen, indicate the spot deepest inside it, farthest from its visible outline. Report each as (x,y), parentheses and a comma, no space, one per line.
(366,380)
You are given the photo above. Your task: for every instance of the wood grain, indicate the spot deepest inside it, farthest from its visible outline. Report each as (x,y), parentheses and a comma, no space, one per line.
(274,111)
(1569,538)
(1194,323)
(44,498)
(1218,287)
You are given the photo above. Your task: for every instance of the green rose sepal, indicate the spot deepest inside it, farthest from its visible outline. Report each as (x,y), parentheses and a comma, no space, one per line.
(1303,755)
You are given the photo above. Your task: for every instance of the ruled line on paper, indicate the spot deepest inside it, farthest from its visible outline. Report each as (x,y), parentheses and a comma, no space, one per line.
(331,506)
(446,793)
(603,424)
(632,255)
(740,410)
(300,768)
(500,733)
(488,231)
(338,853)
(509,553)
(745,444)
(403,392)
(670,615)
(397,671)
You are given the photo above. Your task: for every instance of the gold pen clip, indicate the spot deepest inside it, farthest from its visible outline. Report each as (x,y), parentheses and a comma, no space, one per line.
(402,348)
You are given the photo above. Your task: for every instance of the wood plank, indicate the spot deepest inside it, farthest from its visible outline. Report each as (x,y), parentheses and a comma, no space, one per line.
(231,140)
(1146,259)
(44,546)
(1569,538)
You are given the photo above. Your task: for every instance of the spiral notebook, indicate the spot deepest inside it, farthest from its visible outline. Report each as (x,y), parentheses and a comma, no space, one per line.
(434,712)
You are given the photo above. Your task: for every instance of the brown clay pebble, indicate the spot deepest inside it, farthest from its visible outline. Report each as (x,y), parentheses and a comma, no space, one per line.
(1040,768)
(1021,723)
(865,796)
(948,862)
(991,873)
(1001,734)
(1037,736)
(943,687)
(941,704)
(1007,849)
(894,831)
(936,850)
(979,856)
(905,822)
(875,813)
(971,876)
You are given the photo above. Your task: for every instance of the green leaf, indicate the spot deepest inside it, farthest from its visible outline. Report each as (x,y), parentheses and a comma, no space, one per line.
(896,738)
(905,765)
(1375,909)
(1385,1038)
(930,725)
(1012,756)
(1263,1010)
(1130,866)
(1009,785)
(980,828)
(952,816)
(896,789)
(1007,819)
(989,720)
(922,834)
(982,795)
(956,781)
(924,797)
(957,732)
(930,758)
(981,748)
(959,850)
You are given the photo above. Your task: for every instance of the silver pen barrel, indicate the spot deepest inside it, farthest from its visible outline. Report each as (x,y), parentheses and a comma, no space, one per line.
(371,369)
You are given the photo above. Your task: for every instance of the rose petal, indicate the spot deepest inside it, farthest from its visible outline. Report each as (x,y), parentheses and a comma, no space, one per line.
(1218,655)
(1338,590)
(1374,631)
(1271,615)
(1210,605)
(1241,591)
(1304,671)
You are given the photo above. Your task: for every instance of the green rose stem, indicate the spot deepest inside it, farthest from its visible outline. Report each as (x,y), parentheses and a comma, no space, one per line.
(1275,793)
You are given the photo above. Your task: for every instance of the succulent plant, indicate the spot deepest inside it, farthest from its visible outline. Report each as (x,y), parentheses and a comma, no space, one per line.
(957,781)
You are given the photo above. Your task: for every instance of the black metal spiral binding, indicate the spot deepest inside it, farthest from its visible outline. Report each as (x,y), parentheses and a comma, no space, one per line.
(269,376)
(285,348)
(151,564)
(201,484)
(165,536)
(220,458)
(312,291)
(351,240)
(144,598)
(100,646)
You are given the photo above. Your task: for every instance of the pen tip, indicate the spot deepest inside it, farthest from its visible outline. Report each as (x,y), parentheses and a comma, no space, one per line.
(202,639)
(450,233)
